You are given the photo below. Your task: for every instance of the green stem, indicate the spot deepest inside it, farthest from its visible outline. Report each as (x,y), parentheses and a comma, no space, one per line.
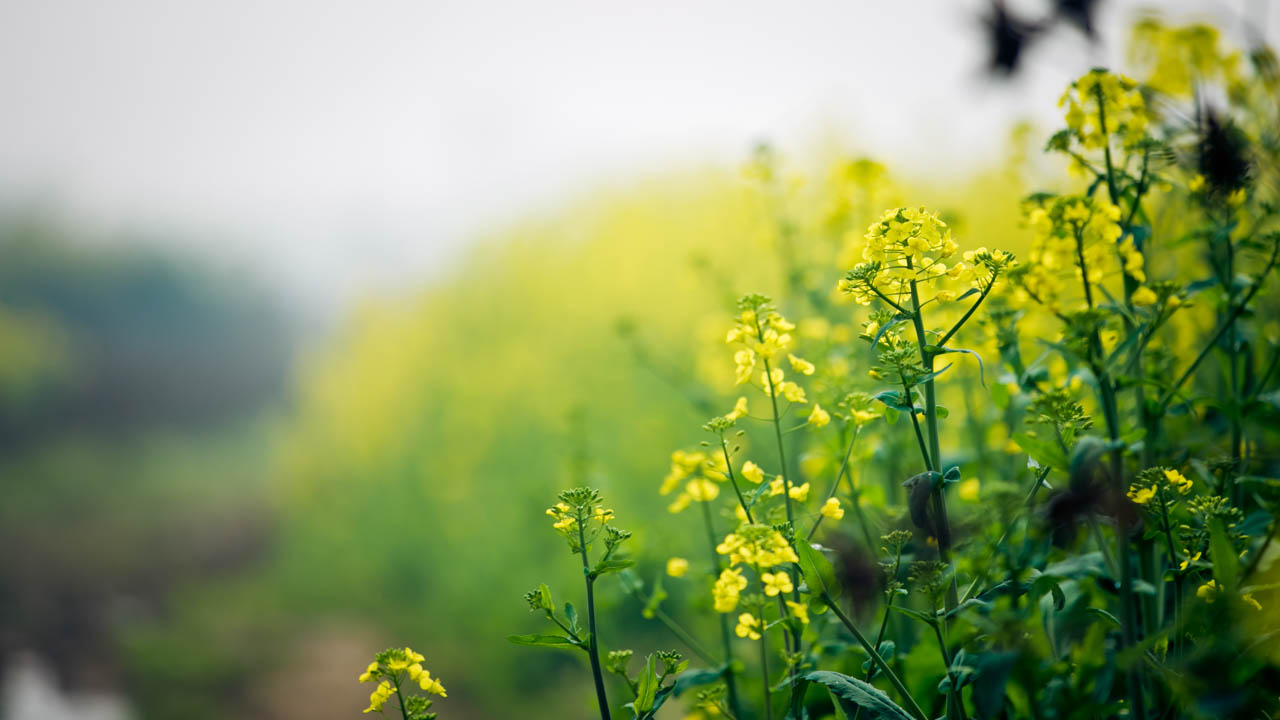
(404,712)
(764,671)
(955,705)
(935,447)
(912,706)
(734,480)
(844,464)
(725,640)
(592,645)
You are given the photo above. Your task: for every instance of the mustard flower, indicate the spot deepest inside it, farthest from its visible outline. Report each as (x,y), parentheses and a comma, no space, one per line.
(752,472)
(818,417)
(775,583)
(748,626)
(831,508)
(726,590)
(677,567)
(800,611)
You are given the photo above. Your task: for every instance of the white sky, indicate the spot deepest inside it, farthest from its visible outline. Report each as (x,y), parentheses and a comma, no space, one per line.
(340,147)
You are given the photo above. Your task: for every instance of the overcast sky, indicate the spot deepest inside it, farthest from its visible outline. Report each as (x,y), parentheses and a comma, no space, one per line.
(346,146)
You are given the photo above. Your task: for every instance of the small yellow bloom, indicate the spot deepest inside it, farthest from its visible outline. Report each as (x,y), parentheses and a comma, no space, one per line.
(1236,198)
(800,365)
(819,417)
(1142,496)
(1144,297)
(739,409)
(367,675)
(831,508)
(748,626)
(774,583)
(752,472)
(1249,600)
(800,610)
(1178,481)
(1188,561)
(968,489)
(677,567)
(1196,184)
(1208,591)
(792,392)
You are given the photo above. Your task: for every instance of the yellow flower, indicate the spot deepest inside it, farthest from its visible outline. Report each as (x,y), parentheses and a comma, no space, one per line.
(800,493)
(1188,561)
(776,375)
(1208,591)
(1236,198)
(1142,496)
(800,610)
(739,409)
(1196,184)
(1249,600)
(1144,297)
(677,567)
(1178,481)
(968,489)
(702,490)
(680,503)
(728,586)
(800,365)
(752,472)
(746,362)
(379,696)
(793,392)
(831,508)
(819,417)
(774,583)
(367,675)
(748,626)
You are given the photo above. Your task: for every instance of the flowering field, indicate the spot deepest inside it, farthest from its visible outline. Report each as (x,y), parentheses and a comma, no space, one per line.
(1009,454)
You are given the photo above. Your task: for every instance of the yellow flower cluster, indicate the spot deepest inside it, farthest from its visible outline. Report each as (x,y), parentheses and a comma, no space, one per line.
(831,509)
(748,626)
(1070,230)
(908,246)
(1179,58)
(390,669)
(1142,493)
(765,334)
(757,545)
(700,472)
(728,587)
(1100,105)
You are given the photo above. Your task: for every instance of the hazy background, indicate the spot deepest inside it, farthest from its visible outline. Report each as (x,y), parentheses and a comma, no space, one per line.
(306,309)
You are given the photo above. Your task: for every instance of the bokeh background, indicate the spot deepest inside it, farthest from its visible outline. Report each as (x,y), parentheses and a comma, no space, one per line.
(308,309)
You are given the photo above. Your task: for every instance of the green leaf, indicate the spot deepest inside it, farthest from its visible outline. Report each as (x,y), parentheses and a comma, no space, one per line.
(1104,614)
(988,686)
(572,613)
(541,640)
(1045,452)
(817,570)
(982,372)
(648,687)
(611,565)
(923,617)
(697,677)
(545,593)
(852,693)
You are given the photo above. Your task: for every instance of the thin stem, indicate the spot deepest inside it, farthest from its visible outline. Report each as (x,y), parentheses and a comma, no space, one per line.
(1226,323)
(726,643)
(965,318)
(777,431)
(935,447)
(404,712)
(954,704)
(912,706)
(764,672)
(734,480)
(844,464)
(592,645)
